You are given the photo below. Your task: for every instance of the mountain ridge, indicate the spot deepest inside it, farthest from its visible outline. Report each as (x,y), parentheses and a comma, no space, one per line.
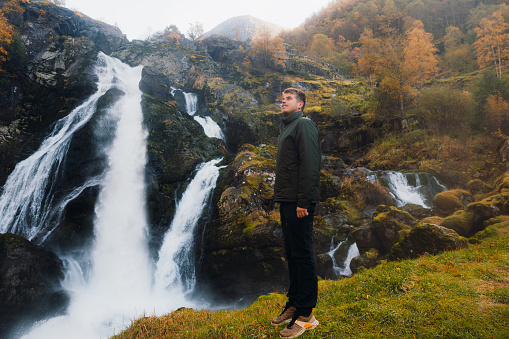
(242,28)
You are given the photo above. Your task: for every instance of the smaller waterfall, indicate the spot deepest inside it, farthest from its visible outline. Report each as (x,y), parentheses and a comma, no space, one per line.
(175,268)
(344,268)
(412,188)
(210,127)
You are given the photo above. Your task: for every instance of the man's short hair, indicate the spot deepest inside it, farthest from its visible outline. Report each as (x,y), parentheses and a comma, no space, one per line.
(301,96)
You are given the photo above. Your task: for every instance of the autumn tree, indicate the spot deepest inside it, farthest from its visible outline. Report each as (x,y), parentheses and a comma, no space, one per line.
(368,55)
(322,47)
(492,45)
(497,112)
(406,63)
(6,31)
(195,30)
(267,51)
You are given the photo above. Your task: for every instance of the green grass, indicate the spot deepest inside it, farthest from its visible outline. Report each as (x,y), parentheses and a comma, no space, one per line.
(460,294)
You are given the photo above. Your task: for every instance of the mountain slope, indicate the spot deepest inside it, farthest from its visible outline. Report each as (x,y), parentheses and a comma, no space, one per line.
(242,28)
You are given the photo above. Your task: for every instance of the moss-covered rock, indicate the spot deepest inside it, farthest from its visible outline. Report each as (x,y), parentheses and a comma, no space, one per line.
(391,225)
(366,238)
(417,211)
(368,259)
(461,221)
(489,232)
(503,184)
(427,238)
(501,223)
(436,220)
(448,202)
(476,187)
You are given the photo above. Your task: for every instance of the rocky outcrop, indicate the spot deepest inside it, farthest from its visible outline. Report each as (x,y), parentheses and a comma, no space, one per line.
(156,84)
(427,238)
(29,281)
(243,251)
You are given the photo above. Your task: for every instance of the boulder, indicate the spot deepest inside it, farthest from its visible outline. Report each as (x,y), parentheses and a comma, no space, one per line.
(461,222)
(391,225)
(366,260)
(427,238)
(324,265)
(366,238)
(30,279)
(489,232)
(447,202)
(477,186)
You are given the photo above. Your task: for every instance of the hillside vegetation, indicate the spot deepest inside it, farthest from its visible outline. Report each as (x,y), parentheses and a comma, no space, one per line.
(459,294)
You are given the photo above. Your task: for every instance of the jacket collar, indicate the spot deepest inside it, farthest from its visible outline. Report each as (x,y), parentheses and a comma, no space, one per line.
(291,118)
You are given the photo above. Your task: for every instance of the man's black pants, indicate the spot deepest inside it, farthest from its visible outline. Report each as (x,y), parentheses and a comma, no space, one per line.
(298,237)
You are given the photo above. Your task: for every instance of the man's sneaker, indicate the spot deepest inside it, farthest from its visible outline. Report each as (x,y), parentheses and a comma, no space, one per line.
(299,326)
(285,316)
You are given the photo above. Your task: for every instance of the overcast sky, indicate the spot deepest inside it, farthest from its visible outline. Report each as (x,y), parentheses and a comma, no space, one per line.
(138,19)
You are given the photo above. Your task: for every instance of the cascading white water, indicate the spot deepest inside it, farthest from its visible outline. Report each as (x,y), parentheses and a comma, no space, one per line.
(344,268)
(27,196)
(210,127)
(415,193)
(118,287)
(175,268)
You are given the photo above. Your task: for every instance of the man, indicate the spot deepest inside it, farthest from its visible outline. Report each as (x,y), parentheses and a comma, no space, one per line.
(297,191)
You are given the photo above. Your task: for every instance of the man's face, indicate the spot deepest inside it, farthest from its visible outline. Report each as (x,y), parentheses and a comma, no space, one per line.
(290,104)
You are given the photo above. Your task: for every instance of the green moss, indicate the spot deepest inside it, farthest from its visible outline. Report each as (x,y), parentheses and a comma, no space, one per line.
(488,232)
(450,201)
(461,221)
(501,223)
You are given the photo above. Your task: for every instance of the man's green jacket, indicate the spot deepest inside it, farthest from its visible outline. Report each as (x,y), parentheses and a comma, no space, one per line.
(298,162)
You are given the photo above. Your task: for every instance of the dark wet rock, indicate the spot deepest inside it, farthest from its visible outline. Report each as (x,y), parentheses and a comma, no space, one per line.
(30,279)
(156,84)
(324,266)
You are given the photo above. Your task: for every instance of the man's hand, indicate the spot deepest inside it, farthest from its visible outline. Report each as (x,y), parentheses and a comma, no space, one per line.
(302,212)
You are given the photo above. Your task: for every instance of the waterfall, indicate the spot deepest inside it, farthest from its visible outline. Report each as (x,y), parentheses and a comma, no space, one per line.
(27,196)
(344,268)
(412,188)
(210,127)
(175,268)
(116,284)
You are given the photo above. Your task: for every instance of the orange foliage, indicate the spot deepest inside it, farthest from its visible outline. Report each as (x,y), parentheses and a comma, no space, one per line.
(267,51)
(175,37)
(492,45)
(497,111)
(6,31)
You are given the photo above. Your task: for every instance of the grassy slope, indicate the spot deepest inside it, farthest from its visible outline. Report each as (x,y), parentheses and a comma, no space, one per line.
(461,294)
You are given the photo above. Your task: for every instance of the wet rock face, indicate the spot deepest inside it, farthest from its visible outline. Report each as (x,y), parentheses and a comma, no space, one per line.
(29,281)
(155,83)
